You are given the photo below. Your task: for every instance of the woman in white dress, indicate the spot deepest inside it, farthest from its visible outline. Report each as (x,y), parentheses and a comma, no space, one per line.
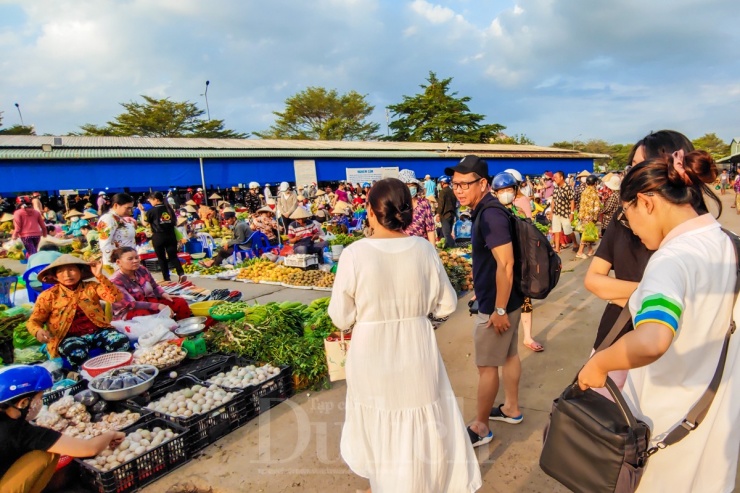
(403,429)
(681,312)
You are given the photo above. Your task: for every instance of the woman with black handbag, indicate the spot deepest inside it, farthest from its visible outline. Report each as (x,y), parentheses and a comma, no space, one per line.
(681,311)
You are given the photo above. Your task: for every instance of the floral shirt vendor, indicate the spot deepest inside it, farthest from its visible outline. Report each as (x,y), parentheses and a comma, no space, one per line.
(423,222)
(133,291)
(590,205)
(266,224)
(115,232)
(59,308)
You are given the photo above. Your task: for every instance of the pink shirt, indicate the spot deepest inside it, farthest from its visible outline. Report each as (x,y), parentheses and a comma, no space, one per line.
(28,222)
(524,205)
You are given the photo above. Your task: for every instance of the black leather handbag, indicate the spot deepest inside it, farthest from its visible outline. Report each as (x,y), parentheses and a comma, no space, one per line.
(594,445)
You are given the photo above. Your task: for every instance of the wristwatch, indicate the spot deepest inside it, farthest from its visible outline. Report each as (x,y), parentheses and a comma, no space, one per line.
(500,312)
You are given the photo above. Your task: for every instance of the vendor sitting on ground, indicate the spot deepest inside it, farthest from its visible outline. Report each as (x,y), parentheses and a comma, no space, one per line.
(75,223)
(29,453)
(242,232)
(263,220)
(68,317)
(91,235)
(305,234)
(141,293)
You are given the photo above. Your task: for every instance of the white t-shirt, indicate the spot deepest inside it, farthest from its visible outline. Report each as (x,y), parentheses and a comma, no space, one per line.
(688,286)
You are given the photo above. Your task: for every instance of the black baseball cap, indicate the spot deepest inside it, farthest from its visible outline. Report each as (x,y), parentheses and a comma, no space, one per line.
(469,164)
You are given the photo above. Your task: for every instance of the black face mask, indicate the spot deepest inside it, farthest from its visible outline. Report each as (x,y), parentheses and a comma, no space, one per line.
(24,412)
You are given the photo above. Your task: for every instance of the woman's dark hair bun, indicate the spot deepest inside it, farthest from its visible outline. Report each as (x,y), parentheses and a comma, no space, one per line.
(391,202)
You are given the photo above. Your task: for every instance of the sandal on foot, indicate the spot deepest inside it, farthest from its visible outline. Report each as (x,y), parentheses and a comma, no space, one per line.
(478,440)
(535,346)
(498,415)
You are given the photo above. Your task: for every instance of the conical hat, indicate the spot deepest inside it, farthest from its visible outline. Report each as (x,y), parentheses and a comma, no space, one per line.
(341,207)
(6,217)
(73,213)
(215,196)
(89,215)
(266,209)
(228,209)
(190,209)
(320,193)
(584,174)
(48,275)
(191,203)
(182,220)
(300,213)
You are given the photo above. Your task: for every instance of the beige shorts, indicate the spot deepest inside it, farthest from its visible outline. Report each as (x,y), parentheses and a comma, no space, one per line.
(492,348)
(561,224)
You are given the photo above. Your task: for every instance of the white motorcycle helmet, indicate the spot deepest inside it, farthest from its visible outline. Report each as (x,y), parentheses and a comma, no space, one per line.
(253,184)
(284,186)
(515,174)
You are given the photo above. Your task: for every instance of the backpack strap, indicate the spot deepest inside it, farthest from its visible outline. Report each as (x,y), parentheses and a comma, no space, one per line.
(497,205)
(699,411)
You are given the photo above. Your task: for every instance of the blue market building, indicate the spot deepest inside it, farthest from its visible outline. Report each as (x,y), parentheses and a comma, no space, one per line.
(51,164)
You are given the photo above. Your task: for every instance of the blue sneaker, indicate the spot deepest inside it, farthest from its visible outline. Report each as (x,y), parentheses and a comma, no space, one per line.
(478,440)
(498,415)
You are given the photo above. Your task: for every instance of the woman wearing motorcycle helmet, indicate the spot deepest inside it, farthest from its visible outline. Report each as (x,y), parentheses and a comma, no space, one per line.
(29,453)
(522,200)
(505,187)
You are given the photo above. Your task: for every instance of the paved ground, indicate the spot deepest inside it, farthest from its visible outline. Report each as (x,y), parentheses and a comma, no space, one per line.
(295,447)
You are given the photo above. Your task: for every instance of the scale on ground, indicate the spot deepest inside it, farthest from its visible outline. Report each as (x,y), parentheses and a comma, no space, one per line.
(191,329)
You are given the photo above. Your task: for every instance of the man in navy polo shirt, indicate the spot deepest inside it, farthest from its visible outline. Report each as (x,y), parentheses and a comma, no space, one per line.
(496,332)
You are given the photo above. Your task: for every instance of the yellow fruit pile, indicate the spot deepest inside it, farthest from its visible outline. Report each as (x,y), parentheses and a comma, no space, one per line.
(266,271)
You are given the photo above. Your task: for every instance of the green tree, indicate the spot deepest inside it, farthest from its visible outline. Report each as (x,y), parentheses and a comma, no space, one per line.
(318,114)
(516,139)
(713,145)
(436,115)
(162,118)
(618,152)
(15,129)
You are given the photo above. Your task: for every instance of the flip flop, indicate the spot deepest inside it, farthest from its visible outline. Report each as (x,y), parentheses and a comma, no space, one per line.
(535,346)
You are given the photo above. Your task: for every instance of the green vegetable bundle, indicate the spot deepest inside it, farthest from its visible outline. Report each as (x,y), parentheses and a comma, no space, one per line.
(343,239)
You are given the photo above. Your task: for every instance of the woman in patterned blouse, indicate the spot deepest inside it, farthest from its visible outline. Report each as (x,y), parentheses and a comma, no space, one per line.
(611,204)
(588,213)
(68,317)
(423,223)
(117,228)
(141,295)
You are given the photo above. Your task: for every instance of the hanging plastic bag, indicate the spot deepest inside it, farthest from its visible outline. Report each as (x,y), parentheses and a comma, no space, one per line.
(138,326)
(590,233)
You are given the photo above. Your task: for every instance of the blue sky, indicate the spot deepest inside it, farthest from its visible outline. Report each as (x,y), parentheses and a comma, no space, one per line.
(551,69)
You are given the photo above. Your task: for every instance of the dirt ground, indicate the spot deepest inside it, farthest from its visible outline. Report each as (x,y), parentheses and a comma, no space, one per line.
(295,446)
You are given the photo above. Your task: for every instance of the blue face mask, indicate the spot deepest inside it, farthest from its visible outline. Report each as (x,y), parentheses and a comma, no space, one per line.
(413,191)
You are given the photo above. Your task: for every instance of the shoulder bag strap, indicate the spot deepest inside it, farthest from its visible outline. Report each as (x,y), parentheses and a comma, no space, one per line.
(622,320)
(699,411)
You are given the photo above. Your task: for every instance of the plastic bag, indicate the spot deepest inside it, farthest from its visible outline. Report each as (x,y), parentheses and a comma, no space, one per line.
(590,233)
(13,245)
(139,326)
(153,337)
(28,355)
(22,338)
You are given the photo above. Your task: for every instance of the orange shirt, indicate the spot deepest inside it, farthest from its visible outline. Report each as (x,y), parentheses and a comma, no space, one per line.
(56,308)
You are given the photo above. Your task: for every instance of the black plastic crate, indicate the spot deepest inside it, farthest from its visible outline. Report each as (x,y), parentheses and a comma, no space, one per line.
(120,406)
(205,428)
(51,397)
(144,469)
(265,395)
(187,367)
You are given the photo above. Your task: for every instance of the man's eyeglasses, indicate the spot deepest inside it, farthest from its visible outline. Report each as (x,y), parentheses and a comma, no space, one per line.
(463,185)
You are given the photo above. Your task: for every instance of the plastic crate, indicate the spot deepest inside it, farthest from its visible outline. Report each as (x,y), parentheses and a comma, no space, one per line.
(142,470)
(265,395)
(302,262)
(53,396)
(205,428)
(187,367)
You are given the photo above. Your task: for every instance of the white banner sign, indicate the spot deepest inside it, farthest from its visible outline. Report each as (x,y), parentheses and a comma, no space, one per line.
(305,173)
(370,175)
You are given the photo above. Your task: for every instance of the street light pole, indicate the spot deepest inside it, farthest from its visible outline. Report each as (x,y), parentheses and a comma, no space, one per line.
(20,114)
(208,110)
(388,122)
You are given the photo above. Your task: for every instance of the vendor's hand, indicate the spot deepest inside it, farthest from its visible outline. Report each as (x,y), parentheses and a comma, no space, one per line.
(500,323)
(591,376)
(43,336)
(167,297)
(96,267)
(116,439)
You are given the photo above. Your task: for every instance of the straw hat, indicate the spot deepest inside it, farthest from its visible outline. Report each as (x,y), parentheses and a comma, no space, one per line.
(182,220)
(191,203)
(266,209)
(89,215)
(613,182)
(320,193)
(583,174)
(73,213)
(214,196)
(6,217)
(191,209)
(270,201)
(341,207)
(48,275)
(300,213)
(228,209)
(301,197)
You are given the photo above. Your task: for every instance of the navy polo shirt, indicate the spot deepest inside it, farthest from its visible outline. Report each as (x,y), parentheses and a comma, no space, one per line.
(491,230)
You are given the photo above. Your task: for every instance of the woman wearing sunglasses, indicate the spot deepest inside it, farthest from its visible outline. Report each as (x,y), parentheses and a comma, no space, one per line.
(681,311)
(620,250)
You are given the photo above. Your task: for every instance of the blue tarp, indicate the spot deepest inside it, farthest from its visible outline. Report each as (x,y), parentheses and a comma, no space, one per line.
(158,174)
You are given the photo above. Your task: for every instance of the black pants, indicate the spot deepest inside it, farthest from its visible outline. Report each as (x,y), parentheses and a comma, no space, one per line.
(447,225)
(166,250)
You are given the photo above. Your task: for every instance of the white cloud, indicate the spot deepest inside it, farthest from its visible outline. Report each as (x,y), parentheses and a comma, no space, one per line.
(436,14)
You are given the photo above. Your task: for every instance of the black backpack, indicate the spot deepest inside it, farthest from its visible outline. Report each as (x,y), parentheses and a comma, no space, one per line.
(536,265)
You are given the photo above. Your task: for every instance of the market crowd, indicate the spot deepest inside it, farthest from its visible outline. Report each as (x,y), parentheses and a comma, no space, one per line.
(653,246)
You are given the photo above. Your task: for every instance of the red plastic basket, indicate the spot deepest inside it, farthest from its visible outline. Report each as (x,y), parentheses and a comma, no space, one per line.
(101,364)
